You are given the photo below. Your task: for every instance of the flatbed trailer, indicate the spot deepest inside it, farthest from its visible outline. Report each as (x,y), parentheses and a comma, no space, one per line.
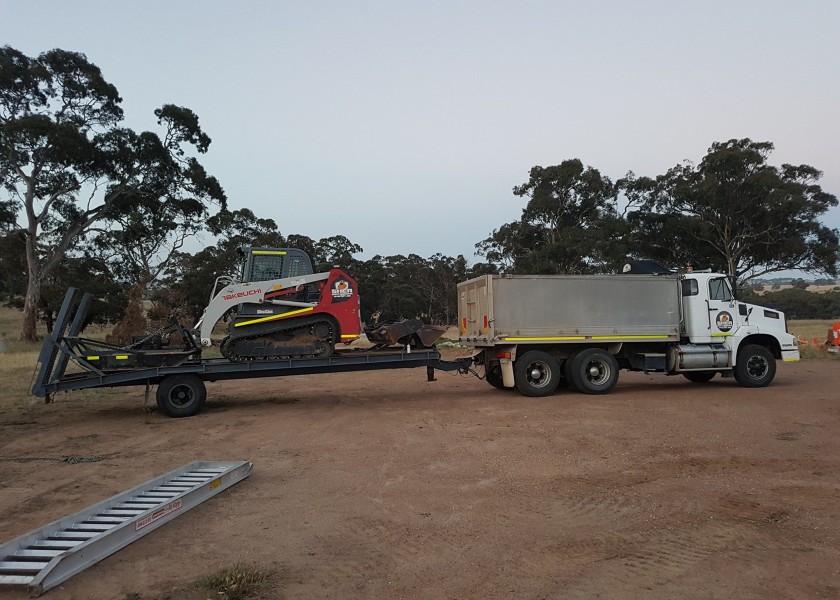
(181,391)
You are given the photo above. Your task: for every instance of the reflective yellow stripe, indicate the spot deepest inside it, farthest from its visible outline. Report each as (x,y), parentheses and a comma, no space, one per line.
(584,338)
(269,252)
(122,356)
(792,359)
(93,358)
(543,339)
(351,335)
(721,334)
(274,317)
(631,337)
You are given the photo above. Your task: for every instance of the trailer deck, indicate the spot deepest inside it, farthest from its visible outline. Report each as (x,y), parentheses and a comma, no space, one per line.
(181,390)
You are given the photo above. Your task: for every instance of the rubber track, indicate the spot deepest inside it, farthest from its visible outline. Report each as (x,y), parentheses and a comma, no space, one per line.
(298,324)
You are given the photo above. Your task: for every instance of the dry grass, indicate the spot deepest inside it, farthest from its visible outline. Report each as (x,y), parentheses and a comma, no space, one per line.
(811,329)
(818,289)
(238,582)
(10,325)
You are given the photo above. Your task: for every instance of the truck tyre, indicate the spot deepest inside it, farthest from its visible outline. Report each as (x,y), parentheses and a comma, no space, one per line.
(568,373)
(181,395)
(536,374)
(493,376)
(756,366)
(700,376)
(563,383)
(592,371)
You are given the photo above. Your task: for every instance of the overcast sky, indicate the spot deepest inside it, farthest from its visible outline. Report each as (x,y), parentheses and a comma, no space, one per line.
(405,125)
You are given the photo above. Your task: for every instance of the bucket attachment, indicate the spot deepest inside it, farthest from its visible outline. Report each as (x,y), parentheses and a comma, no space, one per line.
(404,333)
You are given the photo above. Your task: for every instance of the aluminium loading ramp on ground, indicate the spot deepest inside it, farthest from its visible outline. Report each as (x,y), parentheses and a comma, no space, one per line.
(57,352)
(46,557)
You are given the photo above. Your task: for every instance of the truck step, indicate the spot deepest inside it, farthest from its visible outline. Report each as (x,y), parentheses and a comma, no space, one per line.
(46,557)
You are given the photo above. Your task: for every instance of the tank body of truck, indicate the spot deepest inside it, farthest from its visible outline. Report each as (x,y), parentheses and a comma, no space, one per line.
(537,331)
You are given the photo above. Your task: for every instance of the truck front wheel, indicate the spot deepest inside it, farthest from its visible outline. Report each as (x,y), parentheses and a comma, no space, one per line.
(536,373)
(756,366)
(592,371)
(181,395)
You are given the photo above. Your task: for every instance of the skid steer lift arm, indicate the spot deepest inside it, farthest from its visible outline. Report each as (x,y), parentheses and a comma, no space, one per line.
(255,292)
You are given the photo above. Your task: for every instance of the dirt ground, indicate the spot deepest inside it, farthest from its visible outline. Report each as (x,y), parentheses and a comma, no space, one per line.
(384,485)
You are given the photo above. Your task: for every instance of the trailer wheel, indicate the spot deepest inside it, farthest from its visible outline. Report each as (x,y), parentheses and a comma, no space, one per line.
(756,366)
(181,395)
(536,374)
(700,376)
(592,371)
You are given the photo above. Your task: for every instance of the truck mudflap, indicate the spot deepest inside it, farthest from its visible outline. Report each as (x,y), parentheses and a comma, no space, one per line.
(404,333)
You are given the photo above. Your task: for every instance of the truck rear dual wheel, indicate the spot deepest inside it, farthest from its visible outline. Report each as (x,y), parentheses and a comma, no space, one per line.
(494,377)
(536,374)
(592,371)
(756,366)
(181,395)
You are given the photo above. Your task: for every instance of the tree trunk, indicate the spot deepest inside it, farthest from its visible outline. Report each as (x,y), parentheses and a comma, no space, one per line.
(29,332)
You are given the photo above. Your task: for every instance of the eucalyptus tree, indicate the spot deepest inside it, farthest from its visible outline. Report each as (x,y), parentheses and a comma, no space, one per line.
(569,225)
(735,212)
(69,166)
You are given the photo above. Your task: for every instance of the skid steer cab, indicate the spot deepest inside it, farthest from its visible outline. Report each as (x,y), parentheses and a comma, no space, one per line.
(281,308)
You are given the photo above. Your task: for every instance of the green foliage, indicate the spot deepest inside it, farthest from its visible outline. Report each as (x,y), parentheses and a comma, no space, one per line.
(91,274)
(569,225)
(396,287)
(734,213)
(65,159)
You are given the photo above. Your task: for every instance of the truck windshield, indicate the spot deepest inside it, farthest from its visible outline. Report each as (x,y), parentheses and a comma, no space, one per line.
(719,290)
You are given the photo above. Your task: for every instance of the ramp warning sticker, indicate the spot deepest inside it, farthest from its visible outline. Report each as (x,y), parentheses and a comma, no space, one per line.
(158,514)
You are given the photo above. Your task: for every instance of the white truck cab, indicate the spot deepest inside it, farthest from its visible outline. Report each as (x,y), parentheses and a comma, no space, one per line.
(712,315)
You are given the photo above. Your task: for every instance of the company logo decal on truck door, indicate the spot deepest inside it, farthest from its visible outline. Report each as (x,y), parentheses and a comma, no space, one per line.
(724,321)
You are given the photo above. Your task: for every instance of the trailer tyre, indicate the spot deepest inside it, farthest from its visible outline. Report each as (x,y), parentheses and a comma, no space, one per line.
(181,395)
(536,374)
(756,366)
(592,371)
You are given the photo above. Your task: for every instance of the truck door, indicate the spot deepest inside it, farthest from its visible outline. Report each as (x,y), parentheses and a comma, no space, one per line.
(710,314)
